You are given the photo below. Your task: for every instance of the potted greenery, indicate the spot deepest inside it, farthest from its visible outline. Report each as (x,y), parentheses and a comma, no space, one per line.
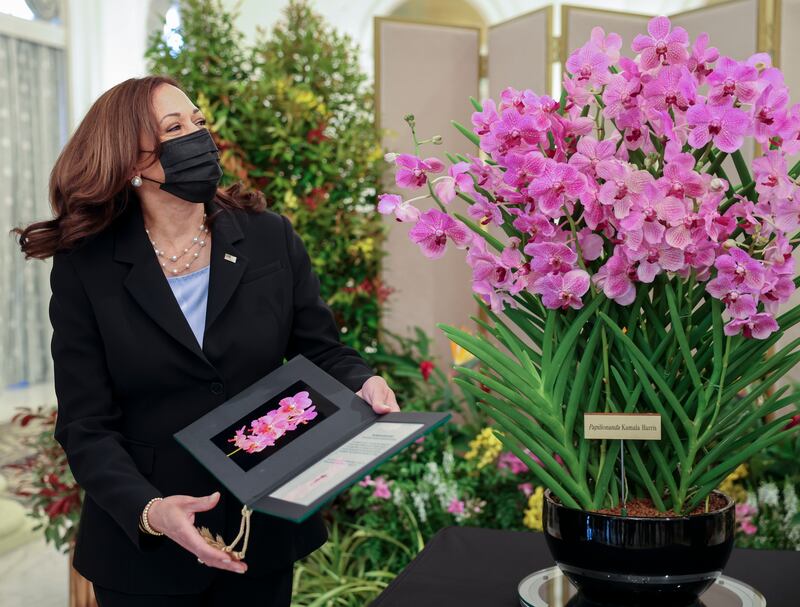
(634,275)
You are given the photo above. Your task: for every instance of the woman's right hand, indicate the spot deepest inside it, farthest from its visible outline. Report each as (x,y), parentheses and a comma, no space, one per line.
(174,517)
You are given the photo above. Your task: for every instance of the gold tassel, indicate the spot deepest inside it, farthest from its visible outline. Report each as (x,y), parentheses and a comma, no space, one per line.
(219,543)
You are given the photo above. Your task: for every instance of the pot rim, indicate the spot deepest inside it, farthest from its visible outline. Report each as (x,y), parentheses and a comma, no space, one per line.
(548,495)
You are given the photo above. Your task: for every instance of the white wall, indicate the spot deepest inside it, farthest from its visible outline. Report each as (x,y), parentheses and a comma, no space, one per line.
(106,43)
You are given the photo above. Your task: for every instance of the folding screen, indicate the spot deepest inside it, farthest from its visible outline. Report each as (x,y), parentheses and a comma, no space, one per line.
(431,71)
(788,43)
(520,54)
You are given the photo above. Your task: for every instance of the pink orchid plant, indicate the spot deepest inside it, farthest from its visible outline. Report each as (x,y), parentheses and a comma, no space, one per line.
(265,431)
(624,232)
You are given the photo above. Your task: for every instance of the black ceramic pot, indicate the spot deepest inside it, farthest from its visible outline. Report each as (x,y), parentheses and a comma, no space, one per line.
(632,561)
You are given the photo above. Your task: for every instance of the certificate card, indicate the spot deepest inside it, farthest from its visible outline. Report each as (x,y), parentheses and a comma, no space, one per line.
(292,441)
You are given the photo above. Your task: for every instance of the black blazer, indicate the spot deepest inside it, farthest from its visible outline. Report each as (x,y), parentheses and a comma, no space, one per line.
(129,373)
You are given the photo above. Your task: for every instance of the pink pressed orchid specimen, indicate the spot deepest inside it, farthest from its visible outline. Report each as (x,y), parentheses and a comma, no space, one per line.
(267,429)
(641,265)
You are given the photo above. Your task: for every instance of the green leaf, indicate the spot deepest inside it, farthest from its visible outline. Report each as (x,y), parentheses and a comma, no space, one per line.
(577,394)
(496,244)
(741,167)
(466,132)
(566,341)
(493,357)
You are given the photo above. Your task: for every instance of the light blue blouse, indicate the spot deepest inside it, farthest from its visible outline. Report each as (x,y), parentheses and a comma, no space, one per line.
(191,291)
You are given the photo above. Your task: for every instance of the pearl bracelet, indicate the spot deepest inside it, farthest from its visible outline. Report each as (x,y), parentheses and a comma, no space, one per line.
(144,523)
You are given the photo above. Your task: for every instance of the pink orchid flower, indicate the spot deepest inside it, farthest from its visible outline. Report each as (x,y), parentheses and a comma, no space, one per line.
(403,211)
(563,291)
(664,45)
(741,269)
(413,172)
(673,88)
(433,230)
(458,177)
(732,80)
(725,125)
(758,326)
(609,44)
(589,66)
(701,56)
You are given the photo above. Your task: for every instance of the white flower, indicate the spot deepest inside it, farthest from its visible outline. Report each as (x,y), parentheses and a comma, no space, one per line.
(789,501)
(448,461)
(398,496)
(419,504)
(769,495)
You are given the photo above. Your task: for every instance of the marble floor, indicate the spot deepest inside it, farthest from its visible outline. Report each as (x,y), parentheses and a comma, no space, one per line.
(32,572)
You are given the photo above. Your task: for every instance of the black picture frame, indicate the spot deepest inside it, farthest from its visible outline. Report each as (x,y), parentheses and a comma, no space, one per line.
(252,485)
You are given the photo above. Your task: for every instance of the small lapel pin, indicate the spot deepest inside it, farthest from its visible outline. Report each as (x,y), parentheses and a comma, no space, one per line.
(229,257)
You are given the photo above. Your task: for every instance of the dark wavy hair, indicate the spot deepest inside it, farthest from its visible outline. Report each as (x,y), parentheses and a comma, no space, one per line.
(89,186)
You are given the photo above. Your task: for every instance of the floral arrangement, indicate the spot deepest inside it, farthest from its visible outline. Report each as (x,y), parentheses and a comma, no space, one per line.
(770,518)
(767,514)
(641,275)
(43,478)
(292,412)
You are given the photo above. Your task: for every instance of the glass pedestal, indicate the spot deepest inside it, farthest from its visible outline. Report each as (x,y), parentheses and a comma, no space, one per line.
(550,588)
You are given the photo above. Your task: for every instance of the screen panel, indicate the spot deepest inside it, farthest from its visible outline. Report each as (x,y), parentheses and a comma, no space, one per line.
(520,53)
(430,71)
(732,26)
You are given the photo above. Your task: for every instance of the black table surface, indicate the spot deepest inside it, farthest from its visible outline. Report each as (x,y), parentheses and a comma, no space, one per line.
(470,566)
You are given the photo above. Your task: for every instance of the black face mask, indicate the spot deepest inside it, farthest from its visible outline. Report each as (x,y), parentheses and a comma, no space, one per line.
(191,167)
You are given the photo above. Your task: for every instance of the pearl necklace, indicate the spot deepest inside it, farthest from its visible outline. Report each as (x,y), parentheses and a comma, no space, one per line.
(197,240)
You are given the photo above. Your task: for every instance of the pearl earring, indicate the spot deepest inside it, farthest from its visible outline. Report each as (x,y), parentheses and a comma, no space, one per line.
(136,181)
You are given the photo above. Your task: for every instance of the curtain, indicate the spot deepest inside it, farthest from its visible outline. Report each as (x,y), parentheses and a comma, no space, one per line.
(33,129)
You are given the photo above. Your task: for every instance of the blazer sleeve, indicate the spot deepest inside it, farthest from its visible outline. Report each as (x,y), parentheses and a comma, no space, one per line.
(88,420)
(314,332)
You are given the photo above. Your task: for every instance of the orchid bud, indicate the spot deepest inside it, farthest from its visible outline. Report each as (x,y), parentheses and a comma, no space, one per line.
(717,184)
(409,118)
(729,244)
(437,140)
(390,156)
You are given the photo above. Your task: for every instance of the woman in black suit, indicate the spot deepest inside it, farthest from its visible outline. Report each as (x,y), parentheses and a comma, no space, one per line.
(136,202)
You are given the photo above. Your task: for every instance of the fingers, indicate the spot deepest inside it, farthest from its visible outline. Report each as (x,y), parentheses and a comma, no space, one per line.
(190,539)
(391,400)
(201,504)
(180,529)
(383,400)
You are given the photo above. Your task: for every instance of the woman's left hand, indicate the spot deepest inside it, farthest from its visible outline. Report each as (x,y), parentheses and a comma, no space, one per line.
(378,394)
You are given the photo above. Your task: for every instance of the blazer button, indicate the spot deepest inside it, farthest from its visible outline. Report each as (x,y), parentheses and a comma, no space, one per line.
(216,387)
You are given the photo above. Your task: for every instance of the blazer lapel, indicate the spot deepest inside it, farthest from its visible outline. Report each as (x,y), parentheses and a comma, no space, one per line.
(148,284)
(225,273)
